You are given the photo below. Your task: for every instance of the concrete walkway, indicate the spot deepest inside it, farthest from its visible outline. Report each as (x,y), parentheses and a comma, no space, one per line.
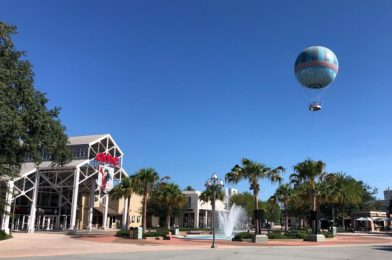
(49,244)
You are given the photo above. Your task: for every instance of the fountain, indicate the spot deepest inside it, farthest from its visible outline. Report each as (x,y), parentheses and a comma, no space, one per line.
(228,220)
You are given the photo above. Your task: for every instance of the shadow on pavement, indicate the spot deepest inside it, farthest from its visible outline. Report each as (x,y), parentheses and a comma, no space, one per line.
(384,248)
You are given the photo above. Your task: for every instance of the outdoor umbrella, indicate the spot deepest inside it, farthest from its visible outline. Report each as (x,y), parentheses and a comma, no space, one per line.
(364,219)
(382,219)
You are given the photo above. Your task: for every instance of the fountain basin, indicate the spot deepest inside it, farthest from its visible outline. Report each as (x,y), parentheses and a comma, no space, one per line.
(206,237)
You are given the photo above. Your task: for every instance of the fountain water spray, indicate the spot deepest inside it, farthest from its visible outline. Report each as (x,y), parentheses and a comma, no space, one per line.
(228,220)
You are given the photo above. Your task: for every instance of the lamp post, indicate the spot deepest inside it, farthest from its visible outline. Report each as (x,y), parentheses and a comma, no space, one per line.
(213,184)
(15,193)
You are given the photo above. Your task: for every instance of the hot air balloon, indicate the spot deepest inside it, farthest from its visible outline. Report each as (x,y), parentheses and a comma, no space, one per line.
(315,68)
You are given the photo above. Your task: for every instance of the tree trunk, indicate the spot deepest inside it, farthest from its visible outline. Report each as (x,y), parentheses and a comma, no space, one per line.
(342,217)
(333,215)
(168,218)
(256,201)
(286,219)
(127,213)
(145,212)
(314,208)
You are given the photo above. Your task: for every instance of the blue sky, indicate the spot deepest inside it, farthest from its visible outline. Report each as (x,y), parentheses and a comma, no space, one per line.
(191,87)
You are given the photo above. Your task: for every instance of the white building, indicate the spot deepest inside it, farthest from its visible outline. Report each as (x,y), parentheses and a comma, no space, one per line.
(74,196)
(197,213)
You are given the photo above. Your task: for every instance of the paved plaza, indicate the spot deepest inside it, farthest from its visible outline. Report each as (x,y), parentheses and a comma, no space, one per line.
(60,246)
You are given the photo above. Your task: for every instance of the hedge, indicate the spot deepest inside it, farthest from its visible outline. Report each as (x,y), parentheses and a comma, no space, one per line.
(243,235)
(4,235)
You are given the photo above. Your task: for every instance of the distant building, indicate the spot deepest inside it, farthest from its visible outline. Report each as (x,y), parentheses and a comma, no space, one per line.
(385,202)
(197,213)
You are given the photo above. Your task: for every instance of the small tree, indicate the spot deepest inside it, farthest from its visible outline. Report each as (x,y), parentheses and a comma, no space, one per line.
(172,197)
(282,196)
(146,179)
(125,189)
(254,171)
(309,173)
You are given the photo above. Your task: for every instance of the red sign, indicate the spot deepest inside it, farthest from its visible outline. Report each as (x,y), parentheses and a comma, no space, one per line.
(107,158)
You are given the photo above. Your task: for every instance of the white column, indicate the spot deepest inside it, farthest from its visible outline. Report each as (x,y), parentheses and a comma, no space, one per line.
(74,206)
(125,214)
(105,212)
(59,205)
(33,210)
(206,218)
(7,208)
(197,218)
(43,223)
(91,208)
(47,223)
(17,223)
(23,221)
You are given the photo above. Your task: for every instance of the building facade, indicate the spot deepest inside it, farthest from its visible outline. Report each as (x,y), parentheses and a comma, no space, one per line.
(198,214)
(73,196)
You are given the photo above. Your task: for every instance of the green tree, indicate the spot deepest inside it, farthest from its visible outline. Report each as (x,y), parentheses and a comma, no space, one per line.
(271,210)
(345,191)
(146,179)
(309,173)
(300,204)
(254,171)
(282,196)
(125,189)
(172,197)
(189,188)
(27,126)
(245,200)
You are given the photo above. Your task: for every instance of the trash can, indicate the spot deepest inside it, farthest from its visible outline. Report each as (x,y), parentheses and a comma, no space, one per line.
(176,231)
(138,233)
(334,231)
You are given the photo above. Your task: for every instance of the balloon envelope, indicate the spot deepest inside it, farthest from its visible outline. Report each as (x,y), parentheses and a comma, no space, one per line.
(316,67)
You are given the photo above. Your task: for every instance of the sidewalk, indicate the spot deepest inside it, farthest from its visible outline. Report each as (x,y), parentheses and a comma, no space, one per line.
(49,244)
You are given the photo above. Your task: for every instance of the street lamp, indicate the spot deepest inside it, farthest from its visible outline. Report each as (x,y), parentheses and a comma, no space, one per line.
(15,193)
(213,184)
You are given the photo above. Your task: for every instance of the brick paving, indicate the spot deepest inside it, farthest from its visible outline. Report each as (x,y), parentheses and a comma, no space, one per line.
(339,240)
(48,244)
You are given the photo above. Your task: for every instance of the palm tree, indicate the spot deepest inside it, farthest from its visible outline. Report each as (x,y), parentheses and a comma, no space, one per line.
(283,196)
(171,196)
(189,188)
(125,189)
(346,190)
(253,171)
(299,205)
(309,173)
(146,178)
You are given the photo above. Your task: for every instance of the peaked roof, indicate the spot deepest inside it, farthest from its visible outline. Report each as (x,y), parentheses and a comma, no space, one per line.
(84,139)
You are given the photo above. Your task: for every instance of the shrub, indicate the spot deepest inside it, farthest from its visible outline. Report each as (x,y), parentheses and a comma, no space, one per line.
(4,235)
(194,229)
(242,235)
(276,235)
(292,234)
(123,232)
(155,234)
(328,234)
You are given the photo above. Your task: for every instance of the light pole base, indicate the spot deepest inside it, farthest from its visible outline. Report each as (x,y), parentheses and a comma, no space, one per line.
(315,238)
(260,239)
